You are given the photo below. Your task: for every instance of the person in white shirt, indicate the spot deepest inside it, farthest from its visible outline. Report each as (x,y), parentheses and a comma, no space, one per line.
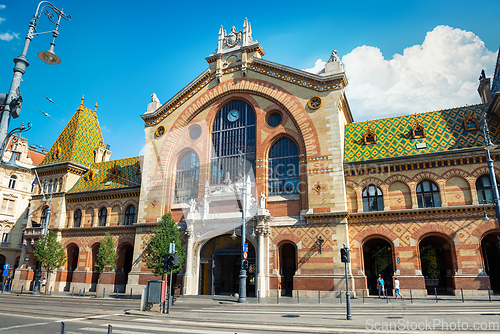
(396,288)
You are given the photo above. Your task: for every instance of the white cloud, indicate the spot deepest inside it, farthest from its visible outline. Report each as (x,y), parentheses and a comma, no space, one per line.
(2,6)
(8,36)
(318,66)
(439,74)
(1,19)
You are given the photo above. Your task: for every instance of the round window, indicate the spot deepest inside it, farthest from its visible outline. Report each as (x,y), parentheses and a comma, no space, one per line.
(274,119)
(194,131)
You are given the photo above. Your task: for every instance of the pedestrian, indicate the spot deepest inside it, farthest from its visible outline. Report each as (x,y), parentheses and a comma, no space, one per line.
(396,288)
(44,282)
(7,284)
(380,286)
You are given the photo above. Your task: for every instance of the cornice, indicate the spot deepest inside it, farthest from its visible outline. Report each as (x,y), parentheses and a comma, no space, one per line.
(250,48)
(102,195)
(69,230)
(62,167)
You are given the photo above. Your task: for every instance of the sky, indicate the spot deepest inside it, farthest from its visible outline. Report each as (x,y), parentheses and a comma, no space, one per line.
(399,57)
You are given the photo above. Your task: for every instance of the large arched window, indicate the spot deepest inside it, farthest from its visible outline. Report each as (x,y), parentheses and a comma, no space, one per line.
(130,215)
(284,168)
(373,199)
(77,218)
(12,182)
(43,218)
(103,214)
(186,177)
(233,132)
(484,190)
(428,195)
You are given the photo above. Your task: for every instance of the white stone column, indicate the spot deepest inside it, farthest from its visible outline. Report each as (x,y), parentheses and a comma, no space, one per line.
(190,284)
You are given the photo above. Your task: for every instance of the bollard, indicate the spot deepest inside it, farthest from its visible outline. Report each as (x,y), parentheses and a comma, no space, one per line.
(278,296)
(50,292)
(110,329)
(258,296)
(62,327)
(22,287)
(363,296)
(386,299)
(319,296)
(72,291)
(436,293)
(340,296)
(79,292)
(462,291)
(83,292)
(103,292)
(298,301)
(489,294)
(130,293)
(411,297)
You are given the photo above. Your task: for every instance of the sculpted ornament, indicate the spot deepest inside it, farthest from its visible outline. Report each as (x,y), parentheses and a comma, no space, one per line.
(233,38)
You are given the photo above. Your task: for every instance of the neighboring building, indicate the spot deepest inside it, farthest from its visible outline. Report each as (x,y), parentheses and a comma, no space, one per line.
(16,177)
(408,194)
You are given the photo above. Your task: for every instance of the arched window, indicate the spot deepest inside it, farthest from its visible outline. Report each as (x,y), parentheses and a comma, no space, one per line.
(484,190)
(12,182)
(186,177)
(233,132)
(373,199)
(43,218)
(428,195)
(284,168)
(54,186)
(77,218)
(103,213)
(130,215)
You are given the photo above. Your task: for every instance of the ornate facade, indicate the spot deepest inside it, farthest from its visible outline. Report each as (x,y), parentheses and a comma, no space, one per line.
(278,147)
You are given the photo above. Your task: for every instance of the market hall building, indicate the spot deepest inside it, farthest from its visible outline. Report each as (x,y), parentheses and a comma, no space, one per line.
(407,194)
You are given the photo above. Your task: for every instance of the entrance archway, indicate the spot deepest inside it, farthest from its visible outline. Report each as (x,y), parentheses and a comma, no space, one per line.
(377,257)
(491,254)
(436,263)
(95,274)
(124,266)
(288,266)
(72,264)
(220,265)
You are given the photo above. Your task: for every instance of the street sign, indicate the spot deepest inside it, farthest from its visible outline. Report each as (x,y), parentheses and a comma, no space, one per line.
(245,247)
(10,268)
(245,255)
(5,273)
(6,266)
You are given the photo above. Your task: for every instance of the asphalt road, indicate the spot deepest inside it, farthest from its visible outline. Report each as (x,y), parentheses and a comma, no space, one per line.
(43,315)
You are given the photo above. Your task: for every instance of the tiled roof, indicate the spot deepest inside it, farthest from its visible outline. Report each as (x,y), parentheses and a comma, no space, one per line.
(495,87)
(78,140)
(103,178)
(444,131)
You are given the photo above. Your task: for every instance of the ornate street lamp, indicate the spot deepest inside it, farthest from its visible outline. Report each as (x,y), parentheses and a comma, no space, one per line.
(10,103)
(488,145)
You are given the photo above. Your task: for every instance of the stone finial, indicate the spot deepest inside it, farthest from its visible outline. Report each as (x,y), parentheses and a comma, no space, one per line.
(333,66)
(154,104)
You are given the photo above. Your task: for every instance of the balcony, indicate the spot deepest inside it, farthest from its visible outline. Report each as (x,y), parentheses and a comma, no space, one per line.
(33,232)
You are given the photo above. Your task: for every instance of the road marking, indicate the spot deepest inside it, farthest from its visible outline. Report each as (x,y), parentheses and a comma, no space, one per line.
(23,326)
(117,331)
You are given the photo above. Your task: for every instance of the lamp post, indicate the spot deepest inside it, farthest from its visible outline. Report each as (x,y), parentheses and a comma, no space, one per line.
(38,275)
(243,273)
(489,145)
(10,103)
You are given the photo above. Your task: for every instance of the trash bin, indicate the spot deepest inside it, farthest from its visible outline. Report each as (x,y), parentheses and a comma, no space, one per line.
(156,291)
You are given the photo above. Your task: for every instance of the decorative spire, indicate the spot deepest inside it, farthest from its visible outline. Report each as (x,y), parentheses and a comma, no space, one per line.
(95,109)
(83,98)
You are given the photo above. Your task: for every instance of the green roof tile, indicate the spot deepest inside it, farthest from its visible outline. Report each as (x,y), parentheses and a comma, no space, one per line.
(444,131)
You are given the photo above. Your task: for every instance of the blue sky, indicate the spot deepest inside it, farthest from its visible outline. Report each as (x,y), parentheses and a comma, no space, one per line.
(117,53)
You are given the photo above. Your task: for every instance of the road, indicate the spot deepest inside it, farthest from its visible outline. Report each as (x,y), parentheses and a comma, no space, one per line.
(27,314)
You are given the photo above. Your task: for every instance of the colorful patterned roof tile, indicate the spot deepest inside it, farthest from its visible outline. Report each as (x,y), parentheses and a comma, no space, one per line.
(110,175)
(444,131)
(78,140)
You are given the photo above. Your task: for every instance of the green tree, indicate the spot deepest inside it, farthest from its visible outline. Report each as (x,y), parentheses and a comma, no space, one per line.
(106,255)
(49,252)
(165,232)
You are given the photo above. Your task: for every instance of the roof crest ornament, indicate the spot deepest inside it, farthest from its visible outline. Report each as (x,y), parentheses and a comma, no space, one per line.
(369,137)
(235,39)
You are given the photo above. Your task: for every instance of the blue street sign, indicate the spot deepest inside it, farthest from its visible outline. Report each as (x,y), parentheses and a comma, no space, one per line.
(5,273)
(245,247)
(6,266)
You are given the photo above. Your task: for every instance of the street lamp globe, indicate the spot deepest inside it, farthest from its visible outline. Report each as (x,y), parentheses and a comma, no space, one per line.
(49,57)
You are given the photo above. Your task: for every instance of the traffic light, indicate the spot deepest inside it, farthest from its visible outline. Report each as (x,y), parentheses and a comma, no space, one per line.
(164,261)
(175,260)
(344,255)
(245,264)
(14,105)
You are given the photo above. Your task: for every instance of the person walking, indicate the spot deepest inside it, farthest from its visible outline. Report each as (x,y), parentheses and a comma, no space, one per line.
(44,282)
(380,286)
(396,288)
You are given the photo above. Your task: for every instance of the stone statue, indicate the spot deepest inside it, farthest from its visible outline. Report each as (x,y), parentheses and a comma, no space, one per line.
(192,205)
(154,98)
(262,198)
(333,57)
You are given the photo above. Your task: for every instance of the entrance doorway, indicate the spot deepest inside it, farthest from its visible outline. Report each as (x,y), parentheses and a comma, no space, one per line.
(436,263)
(124,266)
(288,266)
(95,274)
(72,264)
(377,256)
(491,253)
(220,260)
